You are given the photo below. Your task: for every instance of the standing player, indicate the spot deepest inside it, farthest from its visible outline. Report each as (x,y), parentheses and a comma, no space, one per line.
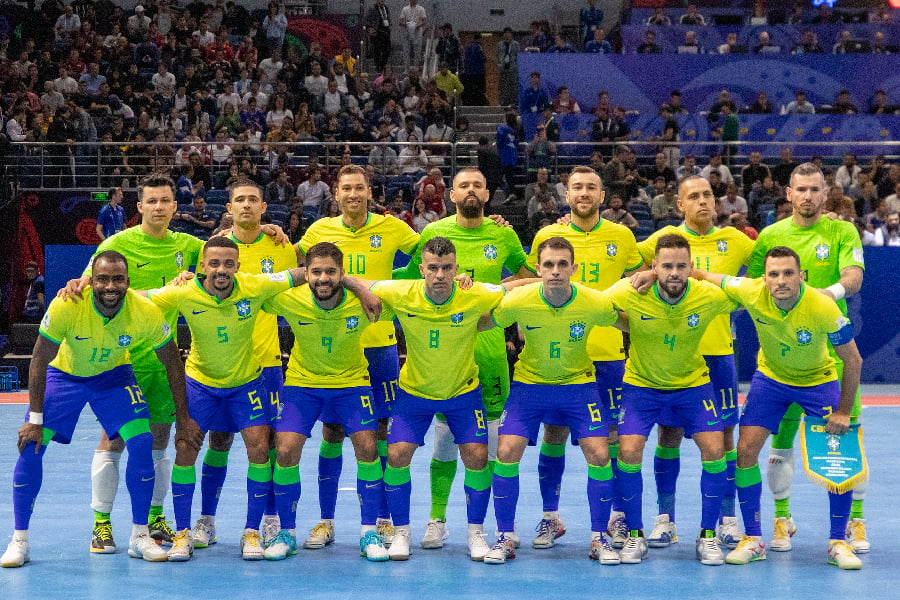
(724,251)
(798,329)
(604,251)
(831,258)
(224,382)
(440,321)
(554,379)
(483,249)
(667,382)
(369,243)
(258,254)
(327,380)
(82,356)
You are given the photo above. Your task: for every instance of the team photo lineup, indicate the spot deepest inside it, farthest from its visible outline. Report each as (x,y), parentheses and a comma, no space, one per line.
(618,335)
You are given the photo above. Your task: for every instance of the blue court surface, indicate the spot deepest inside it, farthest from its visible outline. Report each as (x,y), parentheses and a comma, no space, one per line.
(62,566)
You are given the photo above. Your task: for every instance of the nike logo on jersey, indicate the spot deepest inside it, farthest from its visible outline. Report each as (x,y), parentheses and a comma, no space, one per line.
(81,339)
(410,316)
(302,323)
(197,312)
(646,318)
(761,322)
(530,328)
(139,265)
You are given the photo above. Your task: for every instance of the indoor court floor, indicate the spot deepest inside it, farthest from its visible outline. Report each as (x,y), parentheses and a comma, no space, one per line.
(61,565)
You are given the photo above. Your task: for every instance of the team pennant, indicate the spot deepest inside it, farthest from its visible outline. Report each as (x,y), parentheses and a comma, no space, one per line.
(836,462)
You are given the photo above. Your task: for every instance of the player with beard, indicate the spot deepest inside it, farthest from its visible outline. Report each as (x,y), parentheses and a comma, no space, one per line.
(604,251)
(327,380)
(483,250)
(667,383)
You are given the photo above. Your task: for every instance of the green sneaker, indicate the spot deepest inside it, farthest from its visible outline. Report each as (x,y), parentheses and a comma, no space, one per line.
(102,539)
(160,530)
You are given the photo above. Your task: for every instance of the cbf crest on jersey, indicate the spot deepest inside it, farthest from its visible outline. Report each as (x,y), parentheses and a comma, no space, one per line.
(179,259)
(693,320)
(267,265)
(804,337)
(576,331)
(722,246)
(375,242)
(490,252)
(243,309)
(457,319)
(352,324)
(125,340)
(823,251)
(611,249)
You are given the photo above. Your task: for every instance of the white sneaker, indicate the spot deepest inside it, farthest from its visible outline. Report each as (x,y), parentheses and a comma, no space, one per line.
(617,529)
(708,550)
(511,535)
(399,549)
(435,533)
(856,536)
(750,548)
(784,531)
(504,549)
(728,532)
(841,554)
(603,551)
(143,546)
(372,547)
(251,545)
(548,531)
(204,532)
(664,533)
(182,546)
(271,525)
(634,550)
(478,546)
(319,536)
(16,555)
(385,528)
(284,544)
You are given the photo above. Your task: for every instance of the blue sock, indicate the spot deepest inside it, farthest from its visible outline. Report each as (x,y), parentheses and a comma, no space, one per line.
(477,486)
(749,492)
(271,505)
(613,461)
(286,481)
(631,488)
(383,511)
(712,485)
(398,489)
(666,466)
(27,478)
(729,494)
(506,495)
(600,493)
(259,478)
(184,480)
(840,512)
(551,466)
(139,476)
(370,489)
(212,479)
(331,462)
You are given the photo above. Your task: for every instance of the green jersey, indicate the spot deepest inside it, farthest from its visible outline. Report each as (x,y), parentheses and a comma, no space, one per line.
(825,249)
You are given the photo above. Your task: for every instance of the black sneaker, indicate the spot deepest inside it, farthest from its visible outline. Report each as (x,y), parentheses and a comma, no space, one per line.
(102,538)
(160,530)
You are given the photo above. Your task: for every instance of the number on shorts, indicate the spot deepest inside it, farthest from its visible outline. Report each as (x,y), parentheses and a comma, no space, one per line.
(728,402)
(137,396)
(390,390)
(710,406)
(366,402)
(827,410)
(255,401)
(595,413)
(614,395)
(479,419)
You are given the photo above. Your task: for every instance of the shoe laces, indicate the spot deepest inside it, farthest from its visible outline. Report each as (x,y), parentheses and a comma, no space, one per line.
(320,530)
(181,539)
(251,539)
(502,542)
(433,528)
(282,537)
(385,530)
(840,547)
(620,527)
(782,528)
(857,531)
(160,524)
(103,531)
(371,538)
(746,543)
(543,528)
(602,543)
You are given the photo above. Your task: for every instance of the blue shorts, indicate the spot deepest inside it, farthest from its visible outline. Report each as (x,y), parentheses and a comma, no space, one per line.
(768,400)
(273,382)
(609,374)
(114,397)
(576,406)
(692,409)
(412,416)
(301,407)
(384,371)
(723,376)
(228,409)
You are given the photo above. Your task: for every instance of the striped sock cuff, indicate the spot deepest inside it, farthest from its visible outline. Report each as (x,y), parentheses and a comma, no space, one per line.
(215,458)
(599,473)
(731,455)
(629,468)
(261,472)
(396,476)
(747,477)
(667,453)
(331,450)
(508,470)
(553,449)
(286,475)
(184,475)
(478,480)
(369,471)
(714,466)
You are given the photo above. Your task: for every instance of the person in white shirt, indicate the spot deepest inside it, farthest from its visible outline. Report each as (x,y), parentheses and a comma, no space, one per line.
(715,163)
(412,160)
(333,101)
(412,23)
(51,99)
(847,172)
(64,84)
(67,25)
(316,83)
(889,233)
(207,37)
(314,194)
(163,81)
(269,68)
(15,127)
(137,24)
(732,203)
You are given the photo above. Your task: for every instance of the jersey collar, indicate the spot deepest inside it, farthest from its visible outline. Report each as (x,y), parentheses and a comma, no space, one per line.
(106,319)
(690,231)
(355,229)
(216,298)
(687,290)
(312,297)
(445,302)
(785,313)
(575,227)
(567,303)
(234,239)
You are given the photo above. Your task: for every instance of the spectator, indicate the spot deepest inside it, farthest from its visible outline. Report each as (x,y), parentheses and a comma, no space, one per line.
(879,105)
(447,47)
(448,82)
(659,18)
(765,45)
(649,46)
(293,227)
(590,20)
(434,197)
(799,106)
(668,137)
(753,172)
(537,40)
(508,64)
(758,15)
(617,213)
(809,43)
(421,216)
(490,165)
(893,200)
(278,113)
(692,16)
(200,222)
(412,23)
(878,216)
(542,205)
(739,221)
(847,173)
(313,194)
(731,45)
(564,103)
(472,76)
(279,190)
(690,45)
(412,159)
(765,192)
(689,167)
(732,203)
(274,26)
(66,27)
(378,26)
(715,165)
(843,105)
(111,219)
(719,187)
(542,179)
(866,197)
(508,149)
(561,45)
(33,311)
(660,169)
(665,205)
(760,106)
(383,157)
(410,129)
(844,44)
(598,44)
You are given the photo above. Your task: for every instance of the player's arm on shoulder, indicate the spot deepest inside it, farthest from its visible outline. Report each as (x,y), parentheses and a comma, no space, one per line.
(276,233)
(74,288)
(642,280)
(714,278)
(849,283)
(371,303)
(45,350)
(511,283)
(839,420)
(622,322)
(486,322)
(524,273)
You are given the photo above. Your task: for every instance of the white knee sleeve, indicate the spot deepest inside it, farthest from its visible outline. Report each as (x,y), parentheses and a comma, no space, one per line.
(493,428)
(859,492)
(445,449)
(162,469)
(780,473)
(104,480)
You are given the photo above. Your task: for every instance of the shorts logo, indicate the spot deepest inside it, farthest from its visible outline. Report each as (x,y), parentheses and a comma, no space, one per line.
(622,416)
(267,265)
(804,337)
(576,331)
(375,241)
(490,252)
(834,443)
(502,418)
(179,259)
(243,309)
(612,249)
(390,424)
(352,324)
(823,251)
(456,319)
(722,246)
(124,340)
(693,320)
